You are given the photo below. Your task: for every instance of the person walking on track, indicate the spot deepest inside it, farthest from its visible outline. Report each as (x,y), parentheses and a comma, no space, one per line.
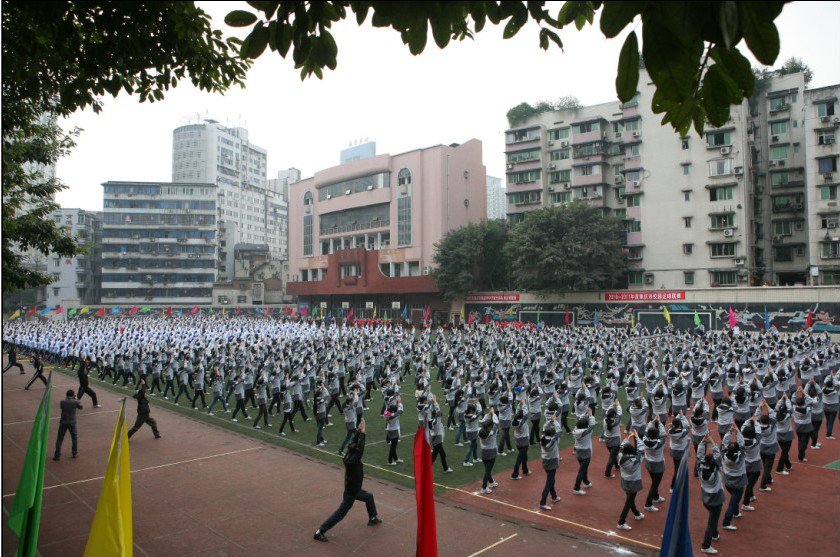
(353,478)
(68,423)
(143,412)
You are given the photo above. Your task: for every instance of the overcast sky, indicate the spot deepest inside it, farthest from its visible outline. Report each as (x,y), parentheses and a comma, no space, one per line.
(382,92)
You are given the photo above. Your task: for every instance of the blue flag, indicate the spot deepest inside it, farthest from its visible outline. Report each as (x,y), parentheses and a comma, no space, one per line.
(766,319)
(115,310)
(405,313)
(257,310)
(676,539)
(595,319)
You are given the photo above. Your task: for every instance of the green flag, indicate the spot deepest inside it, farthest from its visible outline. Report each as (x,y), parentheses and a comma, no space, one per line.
(539,310)
(25,514)
(71,313)
(696,319)
(145,309)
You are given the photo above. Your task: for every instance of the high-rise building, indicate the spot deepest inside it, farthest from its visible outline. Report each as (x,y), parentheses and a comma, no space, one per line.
(208,152)
(495,198)
(362,234)
(158,243)
(727,209)
(77,279)
(277,219)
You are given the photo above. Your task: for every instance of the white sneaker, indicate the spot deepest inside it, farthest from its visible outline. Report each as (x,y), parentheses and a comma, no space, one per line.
(210,414)
(234,420)
(459,444)
(624,526)
(257,427)
(468,464)
(578,492)
(555,499)
(587,485)
(651,508)
(730,527)
(765,489)
(670,490)
(283,433)
(660,500)
(449,471)
(710,550)
(97,406)
(494,484)
(399,460)
(816,447)
(640,516)
(784,473)
(545,507)
(476,460)
(503,454)
(747,508)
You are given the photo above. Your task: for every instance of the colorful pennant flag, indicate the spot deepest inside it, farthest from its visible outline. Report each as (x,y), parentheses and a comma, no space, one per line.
(667,314)
(31,312)
(15,315)
(59,310)
(115,310)
(424,493)
(809,321)
(84,310)
(145,309)
(100,312)
(71,313)
(697,321)
(767,323)
(194,310)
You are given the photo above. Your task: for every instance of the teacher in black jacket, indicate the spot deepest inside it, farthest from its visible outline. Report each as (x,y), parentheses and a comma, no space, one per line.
(143,412)
(353,478)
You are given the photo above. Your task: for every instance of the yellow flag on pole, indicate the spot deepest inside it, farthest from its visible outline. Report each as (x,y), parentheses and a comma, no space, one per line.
(111,532)
(632,320)
(84,310)
(667,314)
(15,315)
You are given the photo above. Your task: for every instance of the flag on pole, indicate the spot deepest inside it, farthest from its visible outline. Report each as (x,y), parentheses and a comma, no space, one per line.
(463,309)
(405,313)
(59,310)
(84,310)
(667,314)
(733,321)
(469,318)
(25,514)
(194,310)
(632,320)
(111,532)
(15,315)
(133,310)
(100,312)
(568,318)
(115,310)
(767,323)
(44,311)
(428,313)
(350,314)
(676,539)
(424,493)
(169,311)
(145,309)
(810,319)
(374,311)
(595,319)
(697,321)
(71,313)
(257,310)
(224,312)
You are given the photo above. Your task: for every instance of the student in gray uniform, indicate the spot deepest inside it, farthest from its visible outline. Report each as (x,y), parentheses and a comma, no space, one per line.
(784,434)
(831,404)
(752,461)
(505,419)
(437,433)
(583,451)
(199,388)
(184,381)
(550,454)
(218,392)
(734,473)
(769,443)
(653,445)
(678,443)
(814,391)
(711,490)
(802,405)
(471,417)
(630,464)
(520,436)
(725,416)
(239,393)
(487,437)
(612,437)
(392,430)
(262,400)
(348,409)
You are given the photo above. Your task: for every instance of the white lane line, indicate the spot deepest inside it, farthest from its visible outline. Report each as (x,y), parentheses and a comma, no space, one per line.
(489,547)
(149,468)
(59,417)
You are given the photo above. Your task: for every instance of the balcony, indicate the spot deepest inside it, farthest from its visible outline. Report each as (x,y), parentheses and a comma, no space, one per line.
(352,227)
(592,179)
(788,208)
(589,137)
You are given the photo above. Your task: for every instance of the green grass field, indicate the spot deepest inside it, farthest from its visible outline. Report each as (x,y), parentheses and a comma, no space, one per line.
(376,451)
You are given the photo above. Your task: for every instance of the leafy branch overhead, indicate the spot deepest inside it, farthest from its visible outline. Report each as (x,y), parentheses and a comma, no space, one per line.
(690,49)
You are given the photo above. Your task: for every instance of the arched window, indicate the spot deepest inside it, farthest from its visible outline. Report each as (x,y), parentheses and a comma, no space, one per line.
(307,224)
(404,177)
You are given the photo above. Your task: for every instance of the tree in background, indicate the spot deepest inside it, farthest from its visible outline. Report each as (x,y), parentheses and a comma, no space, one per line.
(794,65)
(523,111)
(59,57)
(572,247)
(473,258)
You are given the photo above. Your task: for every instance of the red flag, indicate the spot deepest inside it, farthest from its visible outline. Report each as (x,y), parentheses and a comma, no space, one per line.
(169,311)
(133,310)
(810,320)
(469,319)
(100,313)
(304,310)
(568,317)
(31,312)
(428,315)
(350,314)
(425,495)
(59,310)
(238,310)
(194,310)
(487,318)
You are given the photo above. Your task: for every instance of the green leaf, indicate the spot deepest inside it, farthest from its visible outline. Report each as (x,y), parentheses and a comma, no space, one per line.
(441,32)
(284,39)
(615,16)
(543,39)
(670,63)
(554,38)
(255,43)
(718,91)
(511,29)
(737,67)
(240,18)
(729,25)
(627,80)
(760,32)
(268,8)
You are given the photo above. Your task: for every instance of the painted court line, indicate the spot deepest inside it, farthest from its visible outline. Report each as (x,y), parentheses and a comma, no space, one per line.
(59,417)
(148,468)
(489,547)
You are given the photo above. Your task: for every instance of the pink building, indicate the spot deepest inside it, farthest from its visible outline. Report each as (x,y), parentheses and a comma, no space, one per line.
(362,234)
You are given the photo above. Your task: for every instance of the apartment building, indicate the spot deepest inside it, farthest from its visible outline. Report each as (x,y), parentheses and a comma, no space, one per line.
(699,211)
(77,278)
(495,199)
(277,219)
(207,152)
(362,234)
(158,243)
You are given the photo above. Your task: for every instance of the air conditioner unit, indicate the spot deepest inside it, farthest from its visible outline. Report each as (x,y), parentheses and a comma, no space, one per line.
(648,278)
(329,196)
(348,192)
(509,166)
(728,232)
(618,134)
(826,119)
(738,170)
(619,178)
(427,270)
(620,200)
(637,134)
(370,188)
(781,163)
(550,188)
(635,183)
(725,150)
(778,239)
(552,166)
(564,144)
(739,261)
(837,119)
(604,136)
(771,163)
(550,143)
(774,139)
(831,225)
(567,185)
(828,176)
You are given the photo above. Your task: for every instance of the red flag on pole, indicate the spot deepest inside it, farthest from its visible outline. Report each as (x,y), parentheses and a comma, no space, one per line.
(568,317)
(133,310)
(59,310)
(100,313)
(810,320)
(169,311)
(425,495)
(428,315)
(194,310)
(238,310)
(31,312)
(350,314)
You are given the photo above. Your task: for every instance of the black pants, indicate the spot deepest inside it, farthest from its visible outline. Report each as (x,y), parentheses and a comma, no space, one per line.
(155,384)
(655,479)
(334,401)
(392,452)
(535,432)
(583,471)
(711,525)
(107,371)
(182,389)
(629,505)
(144,419)
(450,421)
(830,418)
(346,505)
(505,440)
(815,434)
(439,450)
(62,429)
(752,479)
(784,457)
(263,413)
(169,385)
(199,393)
(341,386)
(249,396)
(240,406)
(521,460)
(275,400)
(612,460)
(767,461)
(488,472)
(87,391)
(298,407)
(38,375)
(13,364)
(548,488)
(803,440)
(564,421)
(288,417)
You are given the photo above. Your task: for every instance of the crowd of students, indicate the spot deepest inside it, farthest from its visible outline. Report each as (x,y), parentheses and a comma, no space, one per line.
(500,390)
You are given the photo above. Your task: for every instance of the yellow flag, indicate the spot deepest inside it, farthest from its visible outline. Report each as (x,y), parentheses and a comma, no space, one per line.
(463,310)
(111,532)
(632,320)
(374,312)
(15,315)
(667,314)
(84,310)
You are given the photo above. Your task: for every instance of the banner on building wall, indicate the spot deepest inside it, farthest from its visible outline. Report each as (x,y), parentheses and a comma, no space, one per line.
(646,296)
(501,297)
(345,305)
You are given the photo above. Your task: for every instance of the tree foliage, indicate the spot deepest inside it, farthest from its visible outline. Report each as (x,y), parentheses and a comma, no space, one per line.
(567,248)
(472,258)
(680,40)
(523,111)
(794,65)
(59,57)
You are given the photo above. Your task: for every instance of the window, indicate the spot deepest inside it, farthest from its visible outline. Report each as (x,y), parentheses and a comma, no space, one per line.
(620,213)
(618,169)
(688,249)
(827,164)
(778,128)
(721,194)
(634,225)
(618,127)
(828,193)
(635,277)
(719,139)
(558,133)
(524,198)
(591,170)
(688,277)
(523,177)
(586,127)
(783,254)
(631,125)
(517,136)
(307,235)
(686,169)
(788,177)
(778,103)
(558,155)
(561,197)
(687,195)
(831,278)
(825,109)
(404,221)
(687,221)
(825,137)
(720,167)
(635,253)
(634,200)
(723,278)
(783,228)
(56,291)
(242,299)
(521,156)
(620,192)
(785,203)
(684,144)
(633,176)
(632,151)
(404,176)
(778,153)
(726,220)
(830,221)
(830,250)
(560,176)
(723,250)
